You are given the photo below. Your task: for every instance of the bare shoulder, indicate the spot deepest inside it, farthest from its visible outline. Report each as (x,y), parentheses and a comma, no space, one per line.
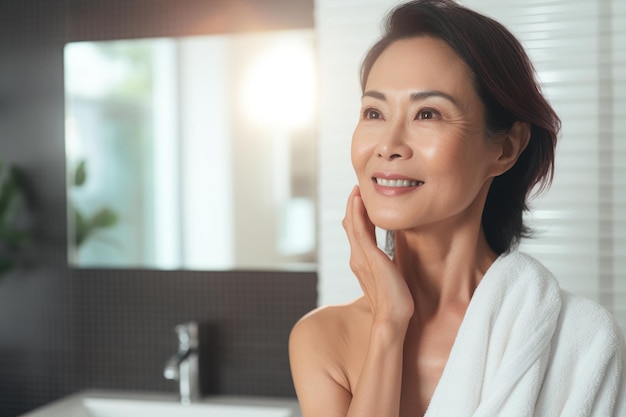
(324,340)
(329,325)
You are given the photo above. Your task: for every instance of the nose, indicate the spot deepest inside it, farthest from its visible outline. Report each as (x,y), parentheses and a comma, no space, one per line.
(394,146)
(385,153)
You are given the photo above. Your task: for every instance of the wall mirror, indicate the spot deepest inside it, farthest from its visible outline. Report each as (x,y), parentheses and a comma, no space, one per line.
(192,152)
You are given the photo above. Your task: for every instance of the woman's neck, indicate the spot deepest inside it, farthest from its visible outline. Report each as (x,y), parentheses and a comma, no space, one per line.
(442,272)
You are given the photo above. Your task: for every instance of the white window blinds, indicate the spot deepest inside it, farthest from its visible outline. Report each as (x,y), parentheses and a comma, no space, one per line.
(579,51)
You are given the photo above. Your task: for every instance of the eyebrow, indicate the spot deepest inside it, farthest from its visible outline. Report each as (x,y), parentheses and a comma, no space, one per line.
(415,96)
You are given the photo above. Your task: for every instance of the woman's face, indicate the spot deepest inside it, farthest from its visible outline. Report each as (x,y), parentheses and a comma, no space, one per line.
(419,149)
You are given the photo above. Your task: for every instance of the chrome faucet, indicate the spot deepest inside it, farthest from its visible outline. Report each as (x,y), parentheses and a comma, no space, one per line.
(183,366)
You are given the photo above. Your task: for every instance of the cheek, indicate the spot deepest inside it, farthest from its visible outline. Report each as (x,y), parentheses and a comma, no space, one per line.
(360,151)
(457,170)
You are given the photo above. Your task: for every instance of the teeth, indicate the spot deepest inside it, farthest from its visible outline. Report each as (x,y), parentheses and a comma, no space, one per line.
(397,183)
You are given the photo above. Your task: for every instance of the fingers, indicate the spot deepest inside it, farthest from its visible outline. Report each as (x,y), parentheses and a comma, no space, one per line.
(361,236)
(362,227)
(349,207)
(347,220)
(358,226)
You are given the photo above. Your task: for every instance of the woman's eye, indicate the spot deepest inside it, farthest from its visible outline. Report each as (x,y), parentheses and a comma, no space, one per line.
(372,114)
(426,114)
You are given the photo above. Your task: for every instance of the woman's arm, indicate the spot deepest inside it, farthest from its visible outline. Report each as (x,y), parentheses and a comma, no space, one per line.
(317,370)
(320,380)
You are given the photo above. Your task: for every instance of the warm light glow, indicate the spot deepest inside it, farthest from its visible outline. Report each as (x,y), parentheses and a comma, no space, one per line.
(279,90)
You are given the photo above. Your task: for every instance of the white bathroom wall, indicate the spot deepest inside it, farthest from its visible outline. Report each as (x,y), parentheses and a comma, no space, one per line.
(345,30)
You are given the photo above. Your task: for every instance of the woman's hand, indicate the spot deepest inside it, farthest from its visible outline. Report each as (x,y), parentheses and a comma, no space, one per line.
(383,285)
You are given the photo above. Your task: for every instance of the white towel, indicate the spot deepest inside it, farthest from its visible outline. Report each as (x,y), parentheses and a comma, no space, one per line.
(526,348)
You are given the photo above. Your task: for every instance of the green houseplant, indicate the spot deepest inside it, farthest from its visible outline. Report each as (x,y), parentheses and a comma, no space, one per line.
(13,235)
(85,226)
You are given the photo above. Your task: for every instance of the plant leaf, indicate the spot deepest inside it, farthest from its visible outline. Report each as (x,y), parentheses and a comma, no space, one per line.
(82,228)
(80,175)
(105,217)
(6,265)
(13,238)
(8,192)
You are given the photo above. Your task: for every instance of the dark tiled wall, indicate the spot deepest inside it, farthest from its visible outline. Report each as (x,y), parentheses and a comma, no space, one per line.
(63,330)
(123,325)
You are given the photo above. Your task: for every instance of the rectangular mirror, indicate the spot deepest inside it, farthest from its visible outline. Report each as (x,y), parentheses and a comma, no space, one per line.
(192,152)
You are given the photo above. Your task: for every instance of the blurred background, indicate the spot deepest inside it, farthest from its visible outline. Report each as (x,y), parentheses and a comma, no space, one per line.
(66,326)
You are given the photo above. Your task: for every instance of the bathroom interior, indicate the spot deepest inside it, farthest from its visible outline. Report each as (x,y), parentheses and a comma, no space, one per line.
(102,316)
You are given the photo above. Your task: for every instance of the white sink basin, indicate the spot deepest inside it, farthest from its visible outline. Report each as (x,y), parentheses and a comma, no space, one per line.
(111,404)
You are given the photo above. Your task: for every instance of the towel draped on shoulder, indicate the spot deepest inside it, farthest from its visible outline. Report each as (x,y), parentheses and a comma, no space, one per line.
(526,348)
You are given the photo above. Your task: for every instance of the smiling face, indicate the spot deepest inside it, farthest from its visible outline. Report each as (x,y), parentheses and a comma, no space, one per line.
(419,149)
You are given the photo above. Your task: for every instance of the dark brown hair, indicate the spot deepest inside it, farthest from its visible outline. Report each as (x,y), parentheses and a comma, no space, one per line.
(504,79)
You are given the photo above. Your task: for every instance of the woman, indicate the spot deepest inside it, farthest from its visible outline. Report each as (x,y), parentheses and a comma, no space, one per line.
(453,134)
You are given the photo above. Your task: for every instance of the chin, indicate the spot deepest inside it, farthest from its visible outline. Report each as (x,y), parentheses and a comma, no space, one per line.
(389,222)
(389,216)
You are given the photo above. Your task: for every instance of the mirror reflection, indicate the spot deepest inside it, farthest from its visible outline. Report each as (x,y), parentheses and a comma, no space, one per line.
(192,153)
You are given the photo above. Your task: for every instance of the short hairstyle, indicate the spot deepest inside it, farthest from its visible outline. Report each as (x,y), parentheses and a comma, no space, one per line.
(504,79)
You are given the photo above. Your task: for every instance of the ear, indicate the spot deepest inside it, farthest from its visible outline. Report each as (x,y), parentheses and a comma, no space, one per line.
(511,147)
